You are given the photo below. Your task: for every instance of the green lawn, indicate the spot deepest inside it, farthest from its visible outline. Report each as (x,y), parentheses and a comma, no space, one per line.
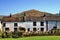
(34,38)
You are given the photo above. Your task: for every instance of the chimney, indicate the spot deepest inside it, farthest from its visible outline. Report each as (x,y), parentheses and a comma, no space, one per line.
(24,14)
(59,12)
(24,17)
(44,15)
(10,15)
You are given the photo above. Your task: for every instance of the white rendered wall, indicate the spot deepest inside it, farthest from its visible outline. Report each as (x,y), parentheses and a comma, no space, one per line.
(26,25)
(58,24)
(51,24)
(0,26)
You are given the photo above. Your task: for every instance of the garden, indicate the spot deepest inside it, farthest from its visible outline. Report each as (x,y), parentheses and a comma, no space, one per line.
(34,38)
(22,35)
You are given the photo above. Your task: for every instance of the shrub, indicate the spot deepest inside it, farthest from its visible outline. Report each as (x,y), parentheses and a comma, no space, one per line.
(22,29)
(26,34)
(5,35)
(16,34)
(10,34)
(0,34)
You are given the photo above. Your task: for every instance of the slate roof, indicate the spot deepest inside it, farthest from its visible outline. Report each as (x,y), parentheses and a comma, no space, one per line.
(31,18)
(12,19)
(56,18)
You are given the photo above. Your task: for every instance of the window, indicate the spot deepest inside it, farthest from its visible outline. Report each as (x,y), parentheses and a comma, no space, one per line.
(28,29)
(46,25)
(42,29)
(34,29)
(42,23)
(55,27)
(34,23)
(6,29)
(38,28)
(15,29)
(4,24)
(15,24)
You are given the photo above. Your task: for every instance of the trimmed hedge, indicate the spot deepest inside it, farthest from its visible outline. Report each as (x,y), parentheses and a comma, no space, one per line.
(25,34)
(5,35)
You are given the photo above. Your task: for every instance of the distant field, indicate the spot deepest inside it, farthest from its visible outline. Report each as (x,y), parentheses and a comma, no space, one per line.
(34,38)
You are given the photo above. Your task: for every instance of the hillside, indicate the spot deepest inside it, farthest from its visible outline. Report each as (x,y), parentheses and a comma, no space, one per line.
(1,17)
(32,13)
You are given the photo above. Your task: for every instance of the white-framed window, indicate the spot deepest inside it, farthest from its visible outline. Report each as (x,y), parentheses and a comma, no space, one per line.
(28,29)
(34,23)
(15,24)
(41,23)
(4,24)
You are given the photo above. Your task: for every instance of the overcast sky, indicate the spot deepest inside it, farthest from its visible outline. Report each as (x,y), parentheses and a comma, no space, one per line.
(16,6)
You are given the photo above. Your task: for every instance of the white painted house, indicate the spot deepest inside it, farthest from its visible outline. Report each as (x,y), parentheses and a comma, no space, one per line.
(31,23)
(0,26)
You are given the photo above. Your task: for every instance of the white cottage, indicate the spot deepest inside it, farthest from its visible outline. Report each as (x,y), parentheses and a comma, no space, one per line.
(0,26)
(31,23)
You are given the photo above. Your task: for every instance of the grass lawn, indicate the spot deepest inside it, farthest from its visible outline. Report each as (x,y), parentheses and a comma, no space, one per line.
(34,38)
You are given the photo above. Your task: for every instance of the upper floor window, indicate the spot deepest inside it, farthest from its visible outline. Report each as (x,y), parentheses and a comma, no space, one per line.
(42,23)
(4,24)
(15,24)
(34,23)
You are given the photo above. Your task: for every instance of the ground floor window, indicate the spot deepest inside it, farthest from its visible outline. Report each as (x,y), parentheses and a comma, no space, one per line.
(28,29)
(15,29)
(55,27)
(34,29)
(42,29)
(6,29)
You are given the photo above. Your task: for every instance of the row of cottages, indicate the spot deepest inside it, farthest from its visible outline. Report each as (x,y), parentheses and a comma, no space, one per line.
(31,23)
(32,20)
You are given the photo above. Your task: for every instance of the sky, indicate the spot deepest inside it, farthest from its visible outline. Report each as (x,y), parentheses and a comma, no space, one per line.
(17,6)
